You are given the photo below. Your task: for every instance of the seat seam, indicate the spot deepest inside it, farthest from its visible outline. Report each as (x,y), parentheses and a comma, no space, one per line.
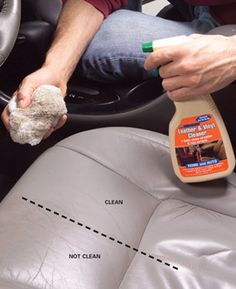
(167,149)
(138,136)
(141,238)
(135,135)
(150,139)
(170,258)
(89,156)
(107,167)
(197,206)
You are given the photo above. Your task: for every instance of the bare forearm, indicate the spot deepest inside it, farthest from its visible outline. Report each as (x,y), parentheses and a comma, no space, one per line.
(77,25)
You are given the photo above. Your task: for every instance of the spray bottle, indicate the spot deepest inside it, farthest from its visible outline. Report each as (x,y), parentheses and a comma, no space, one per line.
(199,142)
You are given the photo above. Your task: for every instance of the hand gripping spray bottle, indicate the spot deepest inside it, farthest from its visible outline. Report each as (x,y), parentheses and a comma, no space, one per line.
(199,142)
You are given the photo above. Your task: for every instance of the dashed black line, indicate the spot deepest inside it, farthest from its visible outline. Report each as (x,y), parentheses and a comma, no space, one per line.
(167,264)
(102,234)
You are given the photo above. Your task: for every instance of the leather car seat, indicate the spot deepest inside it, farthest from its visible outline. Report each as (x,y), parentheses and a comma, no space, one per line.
(103,210)
(38,10)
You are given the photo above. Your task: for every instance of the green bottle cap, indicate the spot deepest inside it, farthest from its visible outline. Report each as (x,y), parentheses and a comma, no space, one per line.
(147,47)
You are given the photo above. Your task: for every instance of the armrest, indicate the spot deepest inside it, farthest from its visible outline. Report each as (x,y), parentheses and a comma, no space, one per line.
(226,108)
(227,30)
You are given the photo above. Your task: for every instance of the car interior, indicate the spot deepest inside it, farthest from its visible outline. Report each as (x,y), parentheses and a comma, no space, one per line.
(97,205)
(90,105)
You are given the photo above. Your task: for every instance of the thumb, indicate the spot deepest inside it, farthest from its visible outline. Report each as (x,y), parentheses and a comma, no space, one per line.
(24,95)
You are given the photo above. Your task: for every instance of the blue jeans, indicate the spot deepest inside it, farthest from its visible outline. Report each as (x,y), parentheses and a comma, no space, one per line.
(115,52)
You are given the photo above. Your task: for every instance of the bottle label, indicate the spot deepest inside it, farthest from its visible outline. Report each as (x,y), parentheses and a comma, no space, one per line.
(199,146)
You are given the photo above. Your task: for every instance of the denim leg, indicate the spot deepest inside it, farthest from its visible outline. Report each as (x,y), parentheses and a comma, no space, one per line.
(115,53)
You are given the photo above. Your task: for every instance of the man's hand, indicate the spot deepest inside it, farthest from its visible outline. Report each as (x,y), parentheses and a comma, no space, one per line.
(42,76)
(202,66)
(78,23)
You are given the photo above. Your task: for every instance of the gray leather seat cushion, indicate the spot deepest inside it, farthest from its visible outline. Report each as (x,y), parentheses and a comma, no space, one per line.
(56,230)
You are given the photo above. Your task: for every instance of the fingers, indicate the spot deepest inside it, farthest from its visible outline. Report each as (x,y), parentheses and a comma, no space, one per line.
(182,87)
(24,94)
(179,94)
(63,88)
(186,93)
(166,71)
(5,118)
(173,83)
(160,57)
(181,81)
(49,132)
(60,124)
(24,97)
(29,84)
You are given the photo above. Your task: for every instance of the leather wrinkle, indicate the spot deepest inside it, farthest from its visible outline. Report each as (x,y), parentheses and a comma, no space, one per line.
(130,263)
(188,264)
(138,136)
(141,238)
(94,158)
(160,200)
(210,210)
(41,266)
(100,162)
(208,268)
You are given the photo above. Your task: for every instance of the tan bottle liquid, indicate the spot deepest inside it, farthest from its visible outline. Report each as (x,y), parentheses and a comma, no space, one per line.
(199,142)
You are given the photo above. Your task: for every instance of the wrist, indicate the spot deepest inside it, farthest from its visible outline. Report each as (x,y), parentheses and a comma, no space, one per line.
(233,54)
(57,71)
(55,77)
